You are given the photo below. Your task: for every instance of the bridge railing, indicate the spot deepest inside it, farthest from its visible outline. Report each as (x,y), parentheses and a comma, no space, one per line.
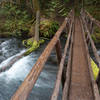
(95,89)
(88,20)
(61,65)
(29,82)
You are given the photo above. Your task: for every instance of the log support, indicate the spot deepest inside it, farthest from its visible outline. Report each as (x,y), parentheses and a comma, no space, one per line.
(58,51)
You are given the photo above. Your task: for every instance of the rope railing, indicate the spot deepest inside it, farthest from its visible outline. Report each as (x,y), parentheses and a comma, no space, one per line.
(29,82)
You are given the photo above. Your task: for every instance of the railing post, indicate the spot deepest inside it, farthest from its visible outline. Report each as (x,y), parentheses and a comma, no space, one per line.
(67,28)
(92,28)
(98,78)
(58,51)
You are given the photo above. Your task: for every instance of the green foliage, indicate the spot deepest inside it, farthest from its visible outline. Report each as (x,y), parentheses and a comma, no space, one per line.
(66,1)
(92,2)
(96,35)
(16,20)
(56,7)
(94,11)
(93,7)
(94,38)
(48,28)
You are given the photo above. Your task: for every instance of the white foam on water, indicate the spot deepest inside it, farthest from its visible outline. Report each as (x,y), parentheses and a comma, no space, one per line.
(6,42)
(99,52)
(5,62)
(18,70)
(4,45)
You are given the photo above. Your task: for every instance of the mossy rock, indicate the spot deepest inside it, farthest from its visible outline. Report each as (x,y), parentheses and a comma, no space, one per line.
(34,46)
(28,42)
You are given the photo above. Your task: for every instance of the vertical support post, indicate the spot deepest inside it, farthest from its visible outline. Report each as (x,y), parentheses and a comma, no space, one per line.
(59,56)
(58,51)
(67,28)
(92,28)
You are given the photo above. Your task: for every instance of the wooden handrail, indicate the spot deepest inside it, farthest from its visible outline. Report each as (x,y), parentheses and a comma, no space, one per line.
(26,87)
(93,83)
(68,71)
(92,44)
(59,75)
(96,22)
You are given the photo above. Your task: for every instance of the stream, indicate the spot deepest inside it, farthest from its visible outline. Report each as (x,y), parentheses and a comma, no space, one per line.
(11,79)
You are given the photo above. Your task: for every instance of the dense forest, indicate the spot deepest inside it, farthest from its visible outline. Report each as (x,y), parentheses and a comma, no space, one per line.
(35,21)
(22,18)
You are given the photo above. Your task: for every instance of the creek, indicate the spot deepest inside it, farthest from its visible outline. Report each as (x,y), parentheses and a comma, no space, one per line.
(12,78)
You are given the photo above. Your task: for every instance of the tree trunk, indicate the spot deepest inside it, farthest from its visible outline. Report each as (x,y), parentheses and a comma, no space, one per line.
(37,26)
(36,11)
(18,2)
(36,6)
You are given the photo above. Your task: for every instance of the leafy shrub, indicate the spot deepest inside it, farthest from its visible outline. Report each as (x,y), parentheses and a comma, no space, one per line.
(16,20)
(48,28)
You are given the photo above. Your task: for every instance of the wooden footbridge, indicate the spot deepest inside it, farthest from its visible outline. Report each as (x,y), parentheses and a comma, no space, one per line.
(79,82)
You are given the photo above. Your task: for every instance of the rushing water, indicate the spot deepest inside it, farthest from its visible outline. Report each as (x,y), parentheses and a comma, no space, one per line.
(12,78)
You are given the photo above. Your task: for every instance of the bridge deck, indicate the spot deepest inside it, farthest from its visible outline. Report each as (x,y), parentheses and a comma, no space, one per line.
(80,85)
